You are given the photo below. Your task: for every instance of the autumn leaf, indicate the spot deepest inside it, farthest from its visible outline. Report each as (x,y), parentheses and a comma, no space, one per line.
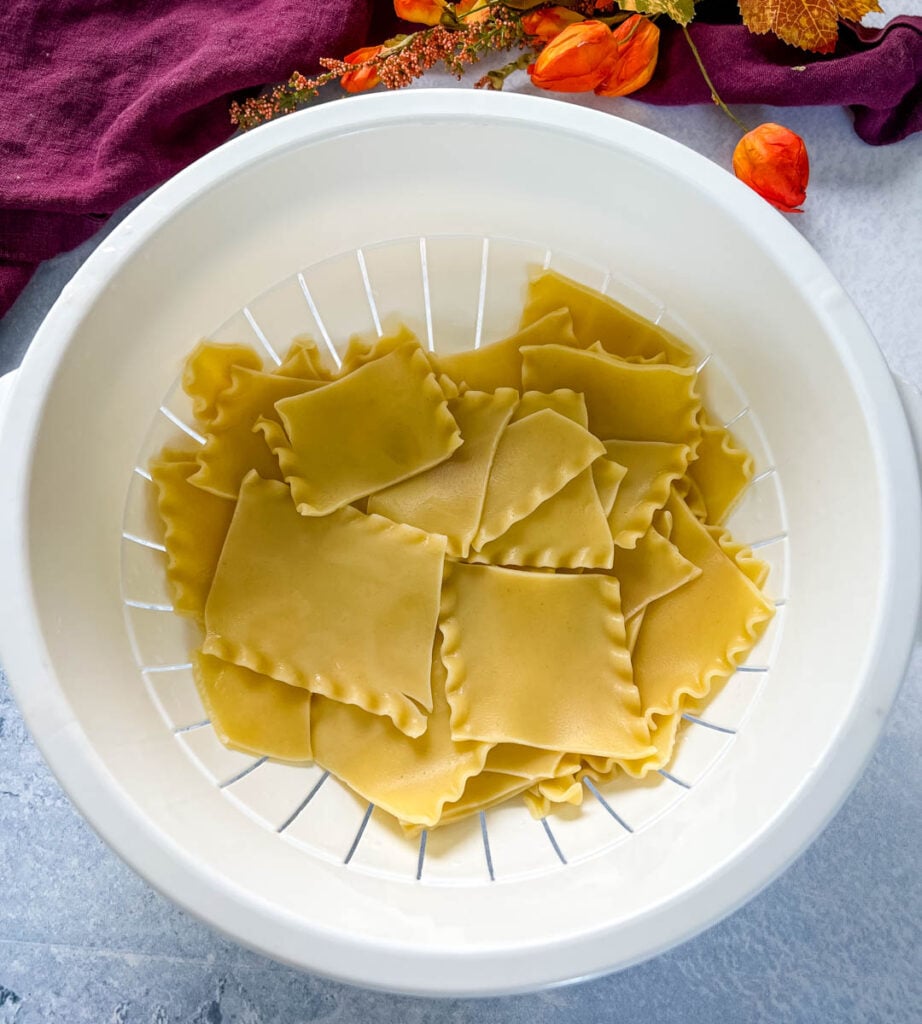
(809,24)
(681,11)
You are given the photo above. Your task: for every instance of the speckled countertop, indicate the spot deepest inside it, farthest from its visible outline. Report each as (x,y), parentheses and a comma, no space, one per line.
(836,939)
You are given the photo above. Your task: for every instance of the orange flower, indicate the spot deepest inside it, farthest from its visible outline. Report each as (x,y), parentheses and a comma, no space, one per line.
(549,22)
(362,78)
(576,60)
(773,160)
(479,7)
(637,40)
(422,12)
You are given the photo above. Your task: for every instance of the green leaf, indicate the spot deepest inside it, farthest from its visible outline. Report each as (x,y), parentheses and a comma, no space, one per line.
(681,11)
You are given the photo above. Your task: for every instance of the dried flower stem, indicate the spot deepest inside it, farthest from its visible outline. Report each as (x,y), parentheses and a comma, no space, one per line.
(707,78)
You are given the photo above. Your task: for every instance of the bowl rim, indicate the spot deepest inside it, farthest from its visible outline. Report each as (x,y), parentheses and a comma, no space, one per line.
(247,919)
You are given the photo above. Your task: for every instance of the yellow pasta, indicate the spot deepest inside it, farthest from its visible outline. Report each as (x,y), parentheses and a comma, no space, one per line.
(290,592)
(650,570)
(681,651)
(455,579)
(567,531)
(232,447)
(651,468)
(195,524)
(448,499)
(412,779)
(629,401)
(382,423)
(536,457)
(721,470)
(598,318)
(557,643)
(207,374)
(500,365)
(252,712)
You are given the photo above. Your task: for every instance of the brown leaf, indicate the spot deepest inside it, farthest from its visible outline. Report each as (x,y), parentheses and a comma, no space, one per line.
(809,24)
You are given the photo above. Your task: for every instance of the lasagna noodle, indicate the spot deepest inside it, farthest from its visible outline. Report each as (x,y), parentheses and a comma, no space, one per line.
(650,570)
(379,425)
(629,401)
(195,524)
(448,499)
(343,605)
(556,642)
(412,779)
(721,470)
(500,365)
(252,712)
(651,469)
(535,458)
(232,447)
(679,649)
(207,374)
(599,318)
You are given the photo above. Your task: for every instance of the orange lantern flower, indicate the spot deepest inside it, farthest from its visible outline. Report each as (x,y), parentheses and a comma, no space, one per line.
(576,60)
(637,41)
(549,22)
(362,78)
(480,9)
(772,160)
(422,12)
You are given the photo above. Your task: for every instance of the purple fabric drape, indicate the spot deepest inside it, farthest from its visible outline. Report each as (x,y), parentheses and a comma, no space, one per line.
(103,100)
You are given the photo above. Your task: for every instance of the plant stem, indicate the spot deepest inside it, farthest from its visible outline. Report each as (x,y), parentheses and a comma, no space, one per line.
(707,78)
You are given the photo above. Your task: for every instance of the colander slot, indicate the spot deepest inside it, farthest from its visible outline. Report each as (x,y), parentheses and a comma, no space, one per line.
(329,822)
(143,474)
(482,295)
(731,702)
(519,845)
(183,426)
(261,337)
(195,725)
(552,839)
(144,581)
(315,789)
(641,801)
(395,279)
(507,265)
(161,641)
(724,398)
(318,320)
(271,790)
(735,419)
(385,850)
(456,855)
(243,773)
(219,763)
(697,751)
(175,696)
(283,315)
(369,294)
(427,303)
(675,779)
(144,542)
(154,669)
(455,289)
(708,725)
(484,831)
(423,839)
(359,834)
(593,789)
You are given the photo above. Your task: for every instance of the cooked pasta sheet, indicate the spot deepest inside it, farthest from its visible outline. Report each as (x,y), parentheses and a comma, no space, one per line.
(458,580)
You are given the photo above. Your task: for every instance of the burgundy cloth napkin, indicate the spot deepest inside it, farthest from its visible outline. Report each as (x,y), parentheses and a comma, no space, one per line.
(104,100)
(101,101)
(876,72)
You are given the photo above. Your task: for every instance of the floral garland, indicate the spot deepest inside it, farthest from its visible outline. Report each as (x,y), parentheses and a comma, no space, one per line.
(609,47)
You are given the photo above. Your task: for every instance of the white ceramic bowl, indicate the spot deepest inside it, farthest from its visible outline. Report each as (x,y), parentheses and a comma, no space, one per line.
(431,203)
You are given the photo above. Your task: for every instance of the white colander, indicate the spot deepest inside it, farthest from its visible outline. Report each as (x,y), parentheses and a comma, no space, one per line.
(430,206)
